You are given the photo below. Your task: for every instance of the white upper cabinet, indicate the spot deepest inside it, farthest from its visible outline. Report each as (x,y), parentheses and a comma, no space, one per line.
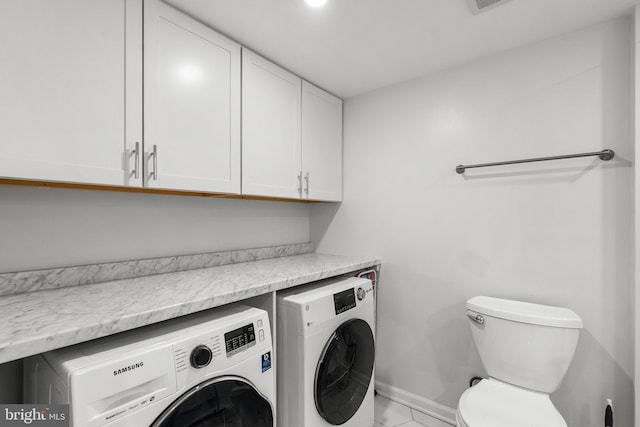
(109,92)
(71,85)
(291,135)
(192,104)
(321,144)
(270,129)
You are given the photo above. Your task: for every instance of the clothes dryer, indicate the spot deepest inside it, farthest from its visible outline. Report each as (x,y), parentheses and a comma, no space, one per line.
(326,354)
(208,369)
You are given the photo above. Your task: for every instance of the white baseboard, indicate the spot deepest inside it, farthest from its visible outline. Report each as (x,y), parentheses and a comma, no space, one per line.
(428,407)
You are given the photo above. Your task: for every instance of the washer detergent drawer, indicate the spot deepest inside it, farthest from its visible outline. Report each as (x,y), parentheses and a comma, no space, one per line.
(103,393)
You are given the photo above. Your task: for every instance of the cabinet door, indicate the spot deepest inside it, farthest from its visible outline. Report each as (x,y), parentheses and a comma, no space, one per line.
(321,144)
(270,129)
(71,85)
(192,104)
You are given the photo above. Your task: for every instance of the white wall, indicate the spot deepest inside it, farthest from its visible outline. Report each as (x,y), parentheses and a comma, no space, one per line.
(42,227)
(556,233)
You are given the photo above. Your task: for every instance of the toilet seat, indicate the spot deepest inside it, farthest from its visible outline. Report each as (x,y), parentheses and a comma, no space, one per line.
(492,403)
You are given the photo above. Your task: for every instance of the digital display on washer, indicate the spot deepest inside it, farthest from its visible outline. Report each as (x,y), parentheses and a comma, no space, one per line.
(344,300)
(237,339)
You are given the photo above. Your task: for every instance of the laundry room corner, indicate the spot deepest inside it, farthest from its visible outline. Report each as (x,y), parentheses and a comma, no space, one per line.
(309,213)
(548,233)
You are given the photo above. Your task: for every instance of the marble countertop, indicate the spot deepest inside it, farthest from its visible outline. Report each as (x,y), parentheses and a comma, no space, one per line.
(35,322)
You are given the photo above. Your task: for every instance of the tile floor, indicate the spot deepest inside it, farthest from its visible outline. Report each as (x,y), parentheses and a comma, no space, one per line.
(392,414)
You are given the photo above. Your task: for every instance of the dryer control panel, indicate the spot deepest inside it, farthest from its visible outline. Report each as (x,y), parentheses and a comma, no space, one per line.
(345,300)
(328,301)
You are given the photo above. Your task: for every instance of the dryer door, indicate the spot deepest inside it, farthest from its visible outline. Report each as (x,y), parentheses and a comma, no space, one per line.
(219,402)
(344,371)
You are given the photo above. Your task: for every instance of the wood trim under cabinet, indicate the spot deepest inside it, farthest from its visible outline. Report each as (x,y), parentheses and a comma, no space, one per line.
(48,184)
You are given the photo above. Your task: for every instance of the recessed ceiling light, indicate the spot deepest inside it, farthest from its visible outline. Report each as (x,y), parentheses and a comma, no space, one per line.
(316,3)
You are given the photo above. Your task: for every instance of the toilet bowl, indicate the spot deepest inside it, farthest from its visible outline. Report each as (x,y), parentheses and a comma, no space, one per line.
(526,350)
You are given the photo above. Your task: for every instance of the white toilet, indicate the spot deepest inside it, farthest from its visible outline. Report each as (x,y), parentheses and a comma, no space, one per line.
(526,349)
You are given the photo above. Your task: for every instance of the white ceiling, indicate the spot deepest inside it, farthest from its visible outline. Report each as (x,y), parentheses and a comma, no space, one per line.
(350,47)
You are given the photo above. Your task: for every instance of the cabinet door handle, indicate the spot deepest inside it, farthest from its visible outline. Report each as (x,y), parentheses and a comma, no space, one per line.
(154,154)
(136,160)
(300,184)
(306,190)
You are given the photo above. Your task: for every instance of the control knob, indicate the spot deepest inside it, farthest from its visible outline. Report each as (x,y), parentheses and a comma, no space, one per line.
(361,294)
(201,356)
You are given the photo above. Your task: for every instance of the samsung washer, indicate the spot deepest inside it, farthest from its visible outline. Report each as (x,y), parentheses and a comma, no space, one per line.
(326,354)
(211,369)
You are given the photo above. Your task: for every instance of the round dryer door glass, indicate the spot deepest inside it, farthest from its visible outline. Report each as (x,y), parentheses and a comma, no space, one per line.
(222,402)
(344,371)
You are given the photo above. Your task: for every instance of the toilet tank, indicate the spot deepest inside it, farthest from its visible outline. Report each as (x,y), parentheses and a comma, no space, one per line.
(524,344)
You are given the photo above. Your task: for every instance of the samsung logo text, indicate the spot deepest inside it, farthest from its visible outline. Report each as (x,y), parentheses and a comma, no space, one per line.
(128,368)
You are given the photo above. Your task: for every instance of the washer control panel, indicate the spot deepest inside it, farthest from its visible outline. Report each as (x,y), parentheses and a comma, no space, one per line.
(240,338)
(237,333)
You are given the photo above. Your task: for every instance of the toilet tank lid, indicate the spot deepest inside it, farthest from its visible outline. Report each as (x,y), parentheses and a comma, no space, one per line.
(525,312)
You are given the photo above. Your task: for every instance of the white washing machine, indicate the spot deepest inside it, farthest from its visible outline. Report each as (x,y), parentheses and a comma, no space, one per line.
(208,369)
(326,354)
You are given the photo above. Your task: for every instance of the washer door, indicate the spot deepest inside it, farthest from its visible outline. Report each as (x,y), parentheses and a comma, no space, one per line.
(344,371)
(219,402)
